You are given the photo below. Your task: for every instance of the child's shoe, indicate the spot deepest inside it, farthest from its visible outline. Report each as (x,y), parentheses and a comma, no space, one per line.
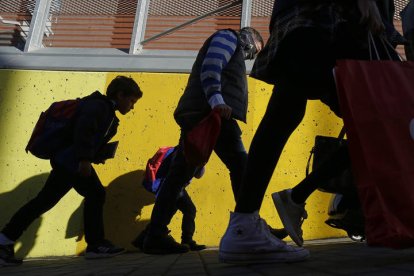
(7,256)
(291,214)
(103,250)
(248,240)
(193,245)
(163,244)
(139,240)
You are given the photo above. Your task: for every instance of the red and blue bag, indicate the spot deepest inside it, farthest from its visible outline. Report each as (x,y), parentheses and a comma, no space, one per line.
(52,131)
(152,180)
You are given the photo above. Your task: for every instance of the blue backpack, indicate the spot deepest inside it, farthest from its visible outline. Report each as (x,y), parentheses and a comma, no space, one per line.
(152,177)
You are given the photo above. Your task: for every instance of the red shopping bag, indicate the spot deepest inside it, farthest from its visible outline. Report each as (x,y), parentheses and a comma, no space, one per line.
(200,141)
(377,103)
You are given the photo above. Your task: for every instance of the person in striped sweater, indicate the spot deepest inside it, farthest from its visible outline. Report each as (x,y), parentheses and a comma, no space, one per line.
(217,81)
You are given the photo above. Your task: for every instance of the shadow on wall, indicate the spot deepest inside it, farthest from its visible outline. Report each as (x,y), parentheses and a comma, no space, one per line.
(11,201)
(125,199)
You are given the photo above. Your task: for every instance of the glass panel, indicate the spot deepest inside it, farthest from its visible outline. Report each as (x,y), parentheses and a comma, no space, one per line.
(15,17)
(90,24)
(166,14)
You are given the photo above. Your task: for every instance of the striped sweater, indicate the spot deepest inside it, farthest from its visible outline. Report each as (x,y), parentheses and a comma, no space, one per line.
(221,49)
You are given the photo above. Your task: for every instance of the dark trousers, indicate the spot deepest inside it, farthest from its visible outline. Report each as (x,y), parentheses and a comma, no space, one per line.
(57,185)
(229,149)
(186,206)
(306,59)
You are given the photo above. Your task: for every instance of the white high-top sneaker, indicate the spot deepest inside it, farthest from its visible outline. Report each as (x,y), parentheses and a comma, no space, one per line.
(248,240)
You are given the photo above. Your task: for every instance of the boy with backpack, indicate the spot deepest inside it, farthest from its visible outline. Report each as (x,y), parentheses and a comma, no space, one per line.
(155,173)
(82,135)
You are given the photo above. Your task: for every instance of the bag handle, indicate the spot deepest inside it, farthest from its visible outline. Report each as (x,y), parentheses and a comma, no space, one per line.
(309,159)
(385,44)
(371,44)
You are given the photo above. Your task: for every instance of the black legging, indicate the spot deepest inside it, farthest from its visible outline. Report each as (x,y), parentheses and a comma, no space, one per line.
(307,57)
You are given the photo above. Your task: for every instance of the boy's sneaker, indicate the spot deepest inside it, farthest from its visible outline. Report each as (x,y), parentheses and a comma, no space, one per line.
(194,246)
(7,256)
(104,250)
(164,244)
(248,240)
(291,214)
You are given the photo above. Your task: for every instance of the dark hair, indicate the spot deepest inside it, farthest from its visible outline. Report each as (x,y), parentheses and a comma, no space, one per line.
(126,85)
(255,34)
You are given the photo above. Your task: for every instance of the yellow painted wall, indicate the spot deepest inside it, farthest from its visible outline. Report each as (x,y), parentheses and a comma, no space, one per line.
(24,94)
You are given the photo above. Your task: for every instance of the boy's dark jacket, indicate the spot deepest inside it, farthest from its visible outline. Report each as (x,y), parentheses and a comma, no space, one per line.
(94,126)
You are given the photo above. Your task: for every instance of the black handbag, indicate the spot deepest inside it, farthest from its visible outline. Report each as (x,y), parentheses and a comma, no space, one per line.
(321,151)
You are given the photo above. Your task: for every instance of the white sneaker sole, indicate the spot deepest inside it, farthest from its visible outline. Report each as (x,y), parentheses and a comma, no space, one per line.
(263,258)
(284,217)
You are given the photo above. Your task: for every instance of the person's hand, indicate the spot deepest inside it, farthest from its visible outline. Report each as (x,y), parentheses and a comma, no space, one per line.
(371,16)
(85,168)
(224,111)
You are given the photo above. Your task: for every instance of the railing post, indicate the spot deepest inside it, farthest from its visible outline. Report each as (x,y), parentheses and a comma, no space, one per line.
(140,23)
(37,25)
(246,15)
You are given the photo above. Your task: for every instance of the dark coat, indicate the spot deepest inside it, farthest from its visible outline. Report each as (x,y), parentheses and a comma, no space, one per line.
(95,125)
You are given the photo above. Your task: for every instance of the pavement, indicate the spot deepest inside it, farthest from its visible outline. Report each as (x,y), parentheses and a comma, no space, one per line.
(328,257)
